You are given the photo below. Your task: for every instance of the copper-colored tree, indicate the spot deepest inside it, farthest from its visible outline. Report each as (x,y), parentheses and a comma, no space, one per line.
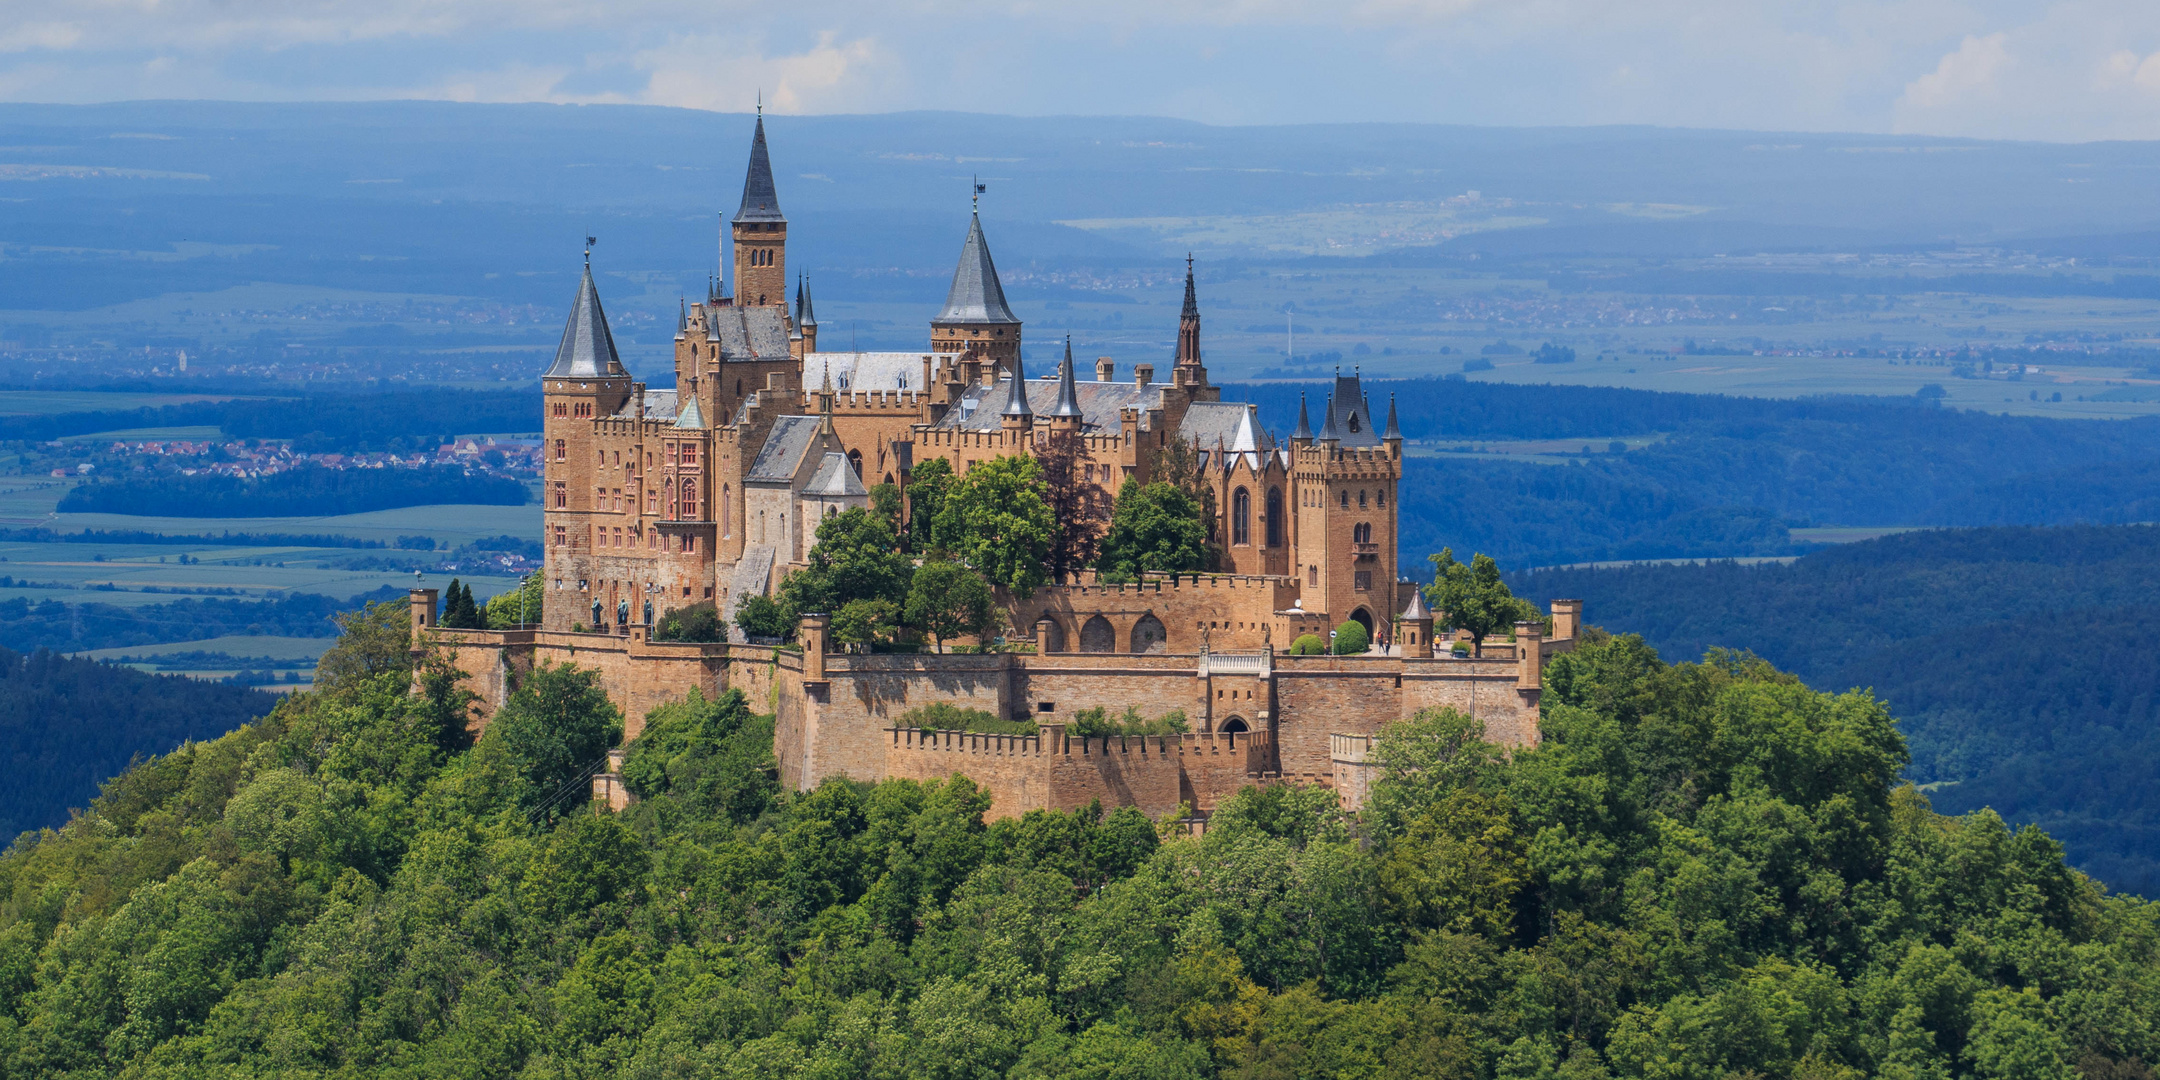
(1080,504)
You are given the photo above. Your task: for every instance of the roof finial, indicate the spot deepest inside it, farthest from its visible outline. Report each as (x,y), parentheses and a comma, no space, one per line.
(589,242)
(975,201)
(761,103)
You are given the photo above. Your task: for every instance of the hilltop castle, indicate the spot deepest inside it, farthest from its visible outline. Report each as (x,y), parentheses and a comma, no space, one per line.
(712,491)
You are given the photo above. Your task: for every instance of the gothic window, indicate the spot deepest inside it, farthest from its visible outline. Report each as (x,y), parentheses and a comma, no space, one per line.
(1380,498)
(562,450)
(1346,499)
(1362,533)
(1097,635)
(1274,517)
(689,544)
(1241,517)
(1361,500)
(562,495)
(854,458)
(1312,575)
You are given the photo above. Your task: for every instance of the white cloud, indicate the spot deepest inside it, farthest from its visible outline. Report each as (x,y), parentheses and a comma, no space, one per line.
(1973,72)
(711,72)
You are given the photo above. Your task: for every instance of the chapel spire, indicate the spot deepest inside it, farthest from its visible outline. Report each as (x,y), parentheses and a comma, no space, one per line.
(759,230)
(1188,371)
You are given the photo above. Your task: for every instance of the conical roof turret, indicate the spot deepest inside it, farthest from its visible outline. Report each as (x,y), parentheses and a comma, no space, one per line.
(1016,402)
(805,311)
(976,295)
(1304,423)
(1394,430)
(760,200)
(1068,400)
(1327,423)
(588,349)
(682,319)
(1417,608)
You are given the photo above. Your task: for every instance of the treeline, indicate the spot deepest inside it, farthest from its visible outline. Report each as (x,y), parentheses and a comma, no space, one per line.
(1672,282)
(310,491)
(26,626)
(66,725)
(1703,871)
(319,423)
(1733,488)
(2017,659)
(223,539)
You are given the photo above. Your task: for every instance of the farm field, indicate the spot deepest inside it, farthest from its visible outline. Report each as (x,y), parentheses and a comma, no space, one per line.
(103,572)
(449,525)
(51,402)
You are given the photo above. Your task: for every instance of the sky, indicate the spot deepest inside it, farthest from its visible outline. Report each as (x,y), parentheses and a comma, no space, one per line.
(2076,70)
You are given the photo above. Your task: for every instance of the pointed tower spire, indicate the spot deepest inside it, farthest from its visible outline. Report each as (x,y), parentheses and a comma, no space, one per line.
(588,349)
(1394,430)
(976,296)
(1068,401)
(1304,423)
(825,401)
(1188,369)
(1016,402)
(1328,433)
(760,199)
(808,318)
(682,318)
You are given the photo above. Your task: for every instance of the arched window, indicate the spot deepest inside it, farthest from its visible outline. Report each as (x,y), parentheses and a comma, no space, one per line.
(1241,517)
(1274,517)
(1361,499)
(1148,634)
(1097,635)
(854,458)
(1346,499)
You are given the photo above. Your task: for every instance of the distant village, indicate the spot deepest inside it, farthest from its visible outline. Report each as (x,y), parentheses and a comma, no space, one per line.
(253,458)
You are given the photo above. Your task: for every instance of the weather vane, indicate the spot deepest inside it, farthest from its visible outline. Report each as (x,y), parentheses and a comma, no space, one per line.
(980,187)
(589,242)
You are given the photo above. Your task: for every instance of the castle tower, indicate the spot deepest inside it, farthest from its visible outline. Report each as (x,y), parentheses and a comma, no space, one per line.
(760,232)
(805,319)
(1188,370)
(1017,420)
(587,381)
(976,320)
(1345,479)
(1066,417)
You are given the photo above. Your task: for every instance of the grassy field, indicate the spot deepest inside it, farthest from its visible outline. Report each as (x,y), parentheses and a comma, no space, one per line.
(299,650)
(193,432)
(448,525)
(107,573)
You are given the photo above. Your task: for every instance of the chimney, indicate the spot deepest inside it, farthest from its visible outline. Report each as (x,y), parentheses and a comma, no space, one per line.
(1105,369)
(1143,374)
(1566,619)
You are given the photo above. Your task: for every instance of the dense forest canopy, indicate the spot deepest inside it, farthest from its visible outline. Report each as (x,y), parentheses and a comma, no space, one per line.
(2018,661)
(309,491)
(318,423)
(67,725)
(1706,870)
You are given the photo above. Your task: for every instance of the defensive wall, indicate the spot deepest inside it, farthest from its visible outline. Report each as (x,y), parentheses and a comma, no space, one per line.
(1255,715)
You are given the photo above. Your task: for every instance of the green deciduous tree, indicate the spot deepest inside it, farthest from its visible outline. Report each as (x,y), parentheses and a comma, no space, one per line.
(1153,527)
(996,522)
(518,607)
(760,616)
(928,485)
(1473,598)
(556,725)
(856,557)
(947,600)
(699,622)
(376,640)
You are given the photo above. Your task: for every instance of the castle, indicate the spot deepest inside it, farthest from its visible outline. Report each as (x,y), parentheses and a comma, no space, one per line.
(712,491)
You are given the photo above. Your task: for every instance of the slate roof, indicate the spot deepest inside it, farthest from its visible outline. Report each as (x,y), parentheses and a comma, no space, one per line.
(1016,398)
(977,409)
(760,201)
(748,333)
(1417,608)
(835,478)
(1349,416)
(659,405)
(1068,401)
(588,349)
(783,451)
(856,372)
(976,295)
(691,417)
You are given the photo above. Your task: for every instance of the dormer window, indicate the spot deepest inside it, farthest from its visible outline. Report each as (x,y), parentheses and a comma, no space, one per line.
(1353,423)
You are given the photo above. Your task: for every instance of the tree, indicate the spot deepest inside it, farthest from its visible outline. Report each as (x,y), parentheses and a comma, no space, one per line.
(885,503)
(1155,527)
(459,612)
(518,607)
(1351,638)
(948,600)
(761,616)
(865,622)
(928,485)
(1473,598)
(856,557)
(375,640)
(699,623)
(996,523)
(557,724)
(1078,505)
(1183,465)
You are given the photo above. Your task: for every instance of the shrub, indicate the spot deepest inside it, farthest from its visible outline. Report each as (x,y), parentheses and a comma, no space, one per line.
(764,617)
(1308,645)
(1098,721)
(946,716)
(700,622)
(1351,638)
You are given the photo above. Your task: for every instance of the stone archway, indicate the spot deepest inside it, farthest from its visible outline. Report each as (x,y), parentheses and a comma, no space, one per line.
(1097,635)
(1148,634)
(1234,726)
(1049,635)
(1363,618)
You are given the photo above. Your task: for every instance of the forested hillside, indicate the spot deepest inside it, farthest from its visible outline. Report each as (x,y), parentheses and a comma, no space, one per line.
(2018,661)
(304,492)
(1705,871)
(318,423)
(67,725)
(1733,475)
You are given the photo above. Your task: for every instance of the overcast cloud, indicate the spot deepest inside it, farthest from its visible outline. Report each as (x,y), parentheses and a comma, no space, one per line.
(2075,70)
